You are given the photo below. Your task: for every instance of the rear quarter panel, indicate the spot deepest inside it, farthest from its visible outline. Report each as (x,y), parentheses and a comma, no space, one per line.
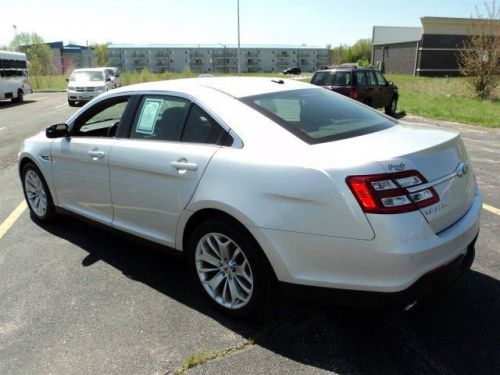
(277,192)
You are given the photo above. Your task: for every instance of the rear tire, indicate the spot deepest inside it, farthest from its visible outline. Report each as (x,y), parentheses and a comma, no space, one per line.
(392,107)
(37,194)
(228,268)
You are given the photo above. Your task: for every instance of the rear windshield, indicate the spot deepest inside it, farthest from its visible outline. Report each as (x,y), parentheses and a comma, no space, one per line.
(332,79)
(318,115)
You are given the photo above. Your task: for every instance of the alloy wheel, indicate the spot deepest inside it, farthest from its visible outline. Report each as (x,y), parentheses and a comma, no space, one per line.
(224,271)
(35,192)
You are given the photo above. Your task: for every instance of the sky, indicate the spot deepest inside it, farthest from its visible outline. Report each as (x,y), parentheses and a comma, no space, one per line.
(311,22)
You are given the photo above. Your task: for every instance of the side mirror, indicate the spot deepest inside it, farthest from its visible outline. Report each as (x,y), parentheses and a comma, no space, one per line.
(57,131)
(108,79)
(67,79)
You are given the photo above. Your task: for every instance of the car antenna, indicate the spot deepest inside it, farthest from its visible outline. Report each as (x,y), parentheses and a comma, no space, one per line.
(280,81)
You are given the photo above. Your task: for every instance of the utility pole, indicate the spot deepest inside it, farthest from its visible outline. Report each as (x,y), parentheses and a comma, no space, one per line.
(238,11)
(15,33)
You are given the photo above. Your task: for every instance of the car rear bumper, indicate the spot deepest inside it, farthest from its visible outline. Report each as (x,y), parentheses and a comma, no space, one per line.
(428,284)
(391,262)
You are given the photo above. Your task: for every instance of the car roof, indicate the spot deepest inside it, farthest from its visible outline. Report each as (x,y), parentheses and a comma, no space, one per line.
(236,87)
(343,68)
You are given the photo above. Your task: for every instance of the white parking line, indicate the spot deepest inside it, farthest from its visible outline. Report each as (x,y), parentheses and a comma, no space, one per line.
(2,128)
(491,209)
(59,106)
(12,218)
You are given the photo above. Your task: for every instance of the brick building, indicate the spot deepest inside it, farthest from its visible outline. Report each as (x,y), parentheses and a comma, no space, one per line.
(430,50)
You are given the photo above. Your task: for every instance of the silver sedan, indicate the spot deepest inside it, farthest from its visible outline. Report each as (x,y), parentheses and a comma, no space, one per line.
(263,183)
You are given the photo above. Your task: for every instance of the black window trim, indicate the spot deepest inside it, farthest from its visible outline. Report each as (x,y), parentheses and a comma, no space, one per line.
(249,100)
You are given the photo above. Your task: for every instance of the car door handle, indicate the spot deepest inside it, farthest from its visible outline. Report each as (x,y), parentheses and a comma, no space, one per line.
(184,165)
(95,154)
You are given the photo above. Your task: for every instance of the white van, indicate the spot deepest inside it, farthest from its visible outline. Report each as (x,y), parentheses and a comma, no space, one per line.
(14,76)
(86,84)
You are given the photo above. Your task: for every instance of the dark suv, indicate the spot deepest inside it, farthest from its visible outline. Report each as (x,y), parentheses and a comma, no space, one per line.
(366,85)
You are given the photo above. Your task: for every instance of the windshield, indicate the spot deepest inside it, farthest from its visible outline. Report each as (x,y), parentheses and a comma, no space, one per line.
(338,78)
(318,115)
(88,75)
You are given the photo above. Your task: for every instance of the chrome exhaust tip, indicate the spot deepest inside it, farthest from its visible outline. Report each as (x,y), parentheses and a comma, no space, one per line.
(410,305)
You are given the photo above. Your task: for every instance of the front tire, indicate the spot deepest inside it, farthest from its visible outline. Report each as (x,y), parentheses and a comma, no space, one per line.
(37,194)
(392,107)
(228,268)
(71,103)
(20,97)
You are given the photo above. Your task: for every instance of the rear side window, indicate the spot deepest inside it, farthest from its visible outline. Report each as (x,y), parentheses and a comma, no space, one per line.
(317,116)
(380,78)
(160,118)
(361,78)
(338,78)
(371,78)
(201,128)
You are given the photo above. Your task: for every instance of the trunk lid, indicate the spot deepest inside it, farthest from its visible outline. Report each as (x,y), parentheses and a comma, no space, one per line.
(439,155)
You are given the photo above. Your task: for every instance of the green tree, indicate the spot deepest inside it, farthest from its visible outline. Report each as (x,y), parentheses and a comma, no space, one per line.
(101,54)
(479,58)
(37,51)
(362,49)
(340,54)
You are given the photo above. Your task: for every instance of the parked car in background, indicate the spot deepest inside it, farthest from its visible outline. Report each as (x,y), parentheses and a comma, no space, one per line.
(294,70)
(14,76)
(259,181)
(86,84)
(366,85)
(114,74)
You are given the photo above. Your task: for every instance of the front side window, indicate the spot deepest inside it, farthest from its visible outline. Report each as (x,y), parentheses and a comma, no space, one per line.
(160,118)
(317,115)
(102,120)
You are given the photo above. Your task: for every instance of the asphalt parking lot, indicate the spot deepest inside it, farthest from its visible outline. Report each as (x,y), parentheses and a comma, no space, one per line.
(75,299)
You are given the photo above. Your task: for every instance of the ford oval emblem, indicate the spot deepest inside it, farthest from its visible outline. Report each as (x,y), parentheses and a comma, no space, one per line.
(462,169)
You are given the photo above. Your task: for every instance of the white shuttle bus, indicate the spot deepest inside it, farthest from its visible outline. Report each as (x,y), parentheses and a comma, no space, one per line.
(14,76)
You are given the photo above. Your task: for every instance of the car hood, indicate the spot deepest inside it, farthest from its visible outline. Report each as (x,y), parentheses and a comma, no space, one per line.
(87,83)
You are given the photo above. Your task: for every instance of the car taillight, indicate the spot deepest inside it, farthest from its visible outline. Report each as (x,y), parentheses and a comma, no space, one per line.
(387,194)
(353,93)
